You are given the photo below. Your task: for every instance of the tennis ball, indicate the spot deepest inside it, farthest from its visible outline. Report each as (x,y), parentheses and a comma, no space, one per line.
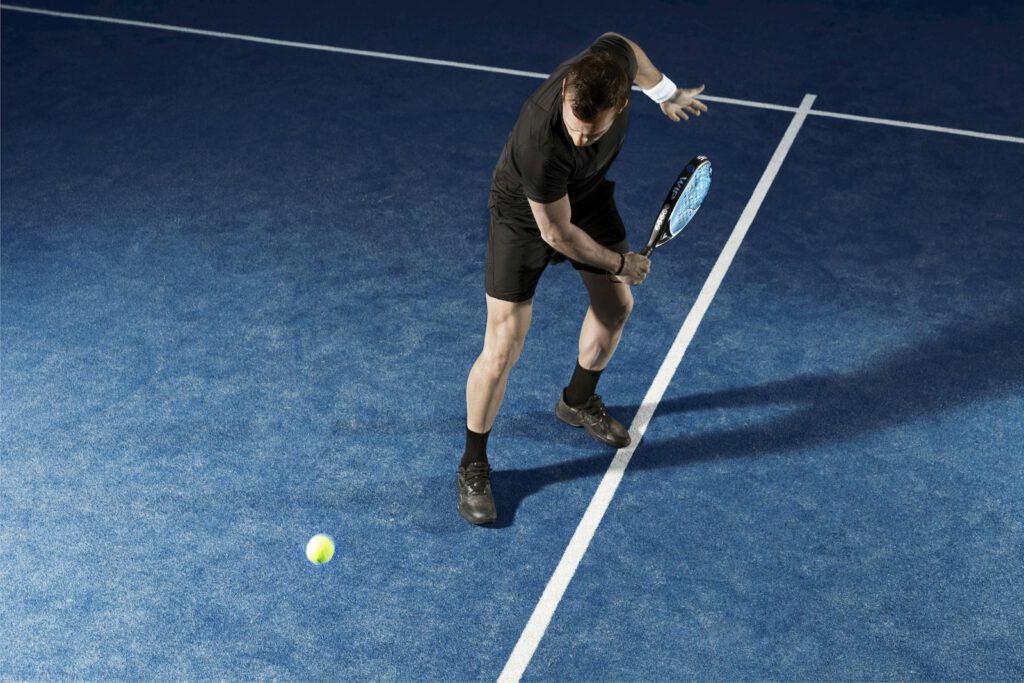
(320,549)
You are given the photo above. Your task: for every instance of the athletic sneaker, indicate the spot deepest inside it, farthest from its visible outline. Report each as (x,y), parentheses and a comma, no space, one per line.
(595,418)
(476,504)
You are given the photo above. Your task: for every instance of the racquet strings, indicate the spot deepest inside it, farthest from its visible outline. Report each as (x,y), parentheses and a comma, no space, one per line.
(690,201)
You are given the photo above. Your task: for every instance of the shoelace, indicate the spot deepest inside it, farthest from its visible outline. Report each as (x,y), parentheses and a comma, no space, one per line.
(595,406)
(477,477)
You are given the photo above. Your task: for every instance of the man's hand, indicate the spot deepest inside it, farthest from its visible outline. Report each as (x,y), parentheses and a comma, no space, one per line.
(683,102)
(634,269)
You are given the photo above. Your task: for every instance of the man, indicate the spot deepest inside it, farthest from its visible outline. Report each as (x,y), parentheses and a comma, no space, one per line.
(550,202)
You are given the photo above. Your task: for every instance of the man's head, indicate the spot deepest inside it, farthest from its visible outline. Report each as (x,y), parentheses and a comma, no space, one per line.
(595,90)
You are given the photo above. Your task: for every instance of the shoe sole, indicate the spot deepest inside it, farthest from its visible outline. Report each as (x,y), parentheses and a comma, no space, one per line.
(474,521)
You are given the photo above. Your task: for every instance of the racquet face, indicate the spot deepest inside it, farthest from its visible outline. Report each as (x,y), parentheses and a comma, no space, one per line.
(682,202)
(690,198)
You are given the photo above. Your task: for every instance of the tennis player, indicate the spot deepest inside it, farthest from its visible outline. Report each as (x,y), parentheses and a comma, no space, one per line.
(550,202)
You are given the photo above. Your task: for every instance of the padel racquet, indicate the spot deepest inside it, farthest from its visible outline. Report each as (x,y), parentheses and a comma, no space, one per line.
(681,204)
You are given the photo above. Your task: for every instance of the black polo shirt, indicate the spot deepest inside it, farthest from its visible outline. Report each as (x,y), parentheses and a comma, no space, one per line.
(540,161)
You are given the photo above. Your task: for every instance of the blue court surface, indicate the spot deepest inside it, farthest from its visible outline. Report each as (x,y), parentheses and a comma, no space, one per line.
(242,287)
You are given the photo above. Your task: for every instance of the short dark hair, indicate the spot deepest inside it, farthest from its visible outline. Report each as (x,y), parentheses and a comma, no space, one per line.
(595,83)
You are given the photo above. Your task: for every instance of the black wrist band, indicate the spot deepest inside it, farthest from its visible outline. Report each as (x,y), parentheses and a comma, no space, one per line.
(622,264)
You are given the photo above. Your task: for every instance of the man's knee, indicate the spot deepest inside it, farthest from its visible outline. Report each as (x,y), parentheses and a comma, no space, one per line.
(501,353)
(626,309)
(614,314)
(507,324)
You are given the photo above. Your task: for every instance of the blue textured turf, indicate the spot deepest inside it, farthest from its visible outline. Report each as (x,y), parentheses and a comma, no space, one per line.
(242,287)
(831,490)
(931,61)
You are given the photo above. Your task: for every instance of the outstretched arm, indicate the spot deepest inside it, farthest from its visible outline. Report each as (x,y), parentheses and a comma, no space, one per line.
(677,102)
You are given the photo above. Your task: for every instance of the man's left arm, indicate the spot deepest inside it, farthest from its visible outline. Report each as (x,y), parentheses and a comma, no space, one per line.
(675,102)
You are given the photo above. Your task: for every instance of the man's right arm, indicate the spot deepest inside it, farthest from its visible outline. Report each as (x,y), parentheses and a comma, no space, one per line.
(556,228)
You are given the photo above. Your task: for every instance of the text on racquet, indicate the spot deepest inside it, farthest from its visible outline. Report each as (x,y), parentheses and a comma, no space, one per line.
(681,204)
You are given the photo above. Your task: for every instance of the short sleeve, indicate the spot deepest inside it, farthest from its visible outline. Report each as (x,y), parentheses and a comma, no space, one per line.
(544,179)
(543,172)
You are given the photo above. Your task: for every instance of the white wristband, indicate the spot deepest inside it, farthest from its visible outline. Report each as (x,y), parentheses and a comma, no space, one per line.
(664,90)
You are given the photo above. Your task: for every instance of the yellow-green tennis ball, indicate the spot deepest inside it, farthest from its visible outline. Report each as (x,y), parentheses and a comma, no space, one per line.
(320,549)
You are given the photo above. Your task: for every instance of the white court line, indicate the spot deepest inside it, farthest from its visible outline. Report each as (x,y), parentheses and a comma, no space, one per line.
(271,41)
(480,67)
(545,609)
(919,126)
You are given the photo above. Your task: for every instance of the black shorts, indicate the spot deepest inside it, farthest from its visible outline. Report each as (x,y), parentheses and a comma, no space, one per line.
(517,256)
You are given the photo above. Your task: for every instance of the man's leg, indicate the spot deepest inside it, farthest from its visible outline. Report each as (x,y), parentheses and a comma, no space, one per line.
(611,303)
(507,324)
(610,306)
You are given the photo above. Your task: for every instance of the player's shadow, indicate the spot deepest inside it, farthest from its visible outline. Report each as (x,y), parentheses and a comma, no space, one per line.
(961,364)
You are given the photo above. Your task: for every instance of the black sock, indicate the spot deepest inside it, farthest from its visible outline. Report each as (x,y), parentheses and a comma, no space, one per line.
(476,447)
(582,385)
